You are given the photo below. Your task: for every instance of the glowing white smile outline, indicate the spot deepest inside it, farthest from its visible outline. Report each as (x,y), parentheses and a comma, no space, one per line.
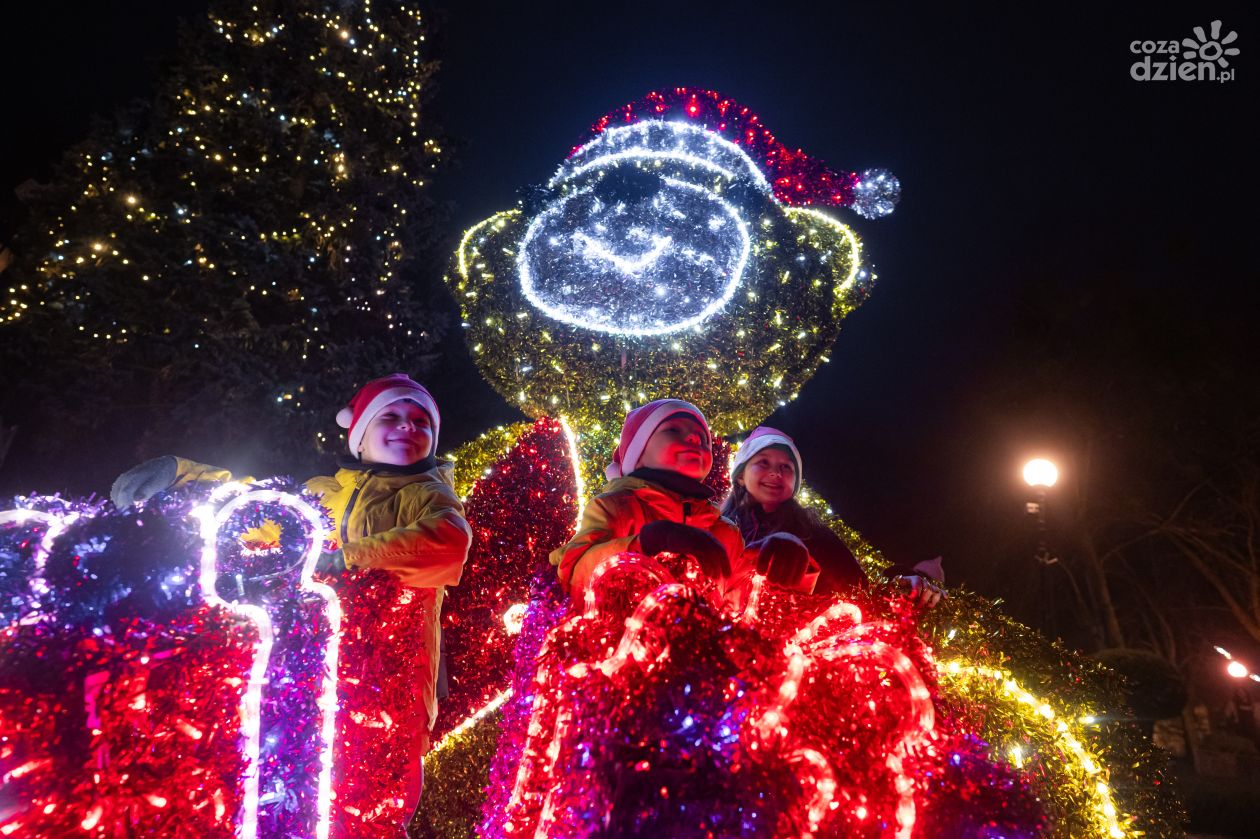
(595,248)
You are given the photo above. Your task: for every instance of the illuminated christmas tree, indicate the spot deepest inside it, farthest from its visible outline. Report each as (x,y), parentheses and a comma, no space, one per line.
(232,258)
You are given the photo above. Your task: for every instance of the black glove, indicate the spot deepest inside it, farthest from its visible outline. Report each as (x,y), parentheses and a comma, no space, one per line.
(143,481)
(783,558)
(672,537)
(331,563)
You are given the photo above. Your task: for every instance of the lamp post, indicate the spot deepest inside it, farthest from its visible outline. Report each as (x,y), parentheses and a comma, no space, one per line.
(1244,707)
(1234,668)
(1040,475)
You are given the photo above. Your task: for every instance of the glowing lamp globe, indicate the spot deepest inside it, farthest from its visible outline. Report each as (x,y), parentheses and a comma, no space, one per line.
(1236,669)
(1040,473)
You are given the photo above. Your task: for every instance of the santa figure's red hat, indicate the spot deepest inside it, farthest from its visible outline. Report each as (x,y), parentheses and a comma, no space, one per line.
(798,179)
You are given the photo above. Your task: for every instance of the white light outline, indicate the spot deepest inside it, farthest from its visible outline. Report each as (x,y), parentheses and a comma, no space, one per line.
(627,266)
(575,461)
(641,154)
(251,702)
(227,488)
(57,525)
(728,291)
(471,720)
(611,136)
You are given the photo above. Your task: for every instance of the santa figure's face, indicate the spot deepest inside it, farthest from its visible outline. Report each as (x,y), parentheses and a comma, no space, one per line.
(642,234)
(636,254)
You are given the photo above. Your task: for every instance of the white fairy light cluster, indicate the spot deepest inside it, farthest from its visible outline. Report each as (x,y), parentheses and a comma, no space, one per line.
(876,193)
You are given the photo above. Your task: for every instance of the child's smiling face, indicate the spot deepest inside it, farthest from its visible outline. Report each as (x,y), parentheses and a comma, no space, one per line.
(399,435)
(679,444)
(770,477)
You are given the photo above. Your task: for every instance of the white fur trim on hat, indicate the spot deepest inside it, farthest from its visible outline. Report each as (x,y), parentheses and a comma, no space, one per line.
(378,404)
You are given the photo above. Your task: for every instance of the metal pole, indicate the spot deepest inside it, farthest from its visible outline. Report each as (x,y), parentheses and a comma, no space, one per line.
(1044,559)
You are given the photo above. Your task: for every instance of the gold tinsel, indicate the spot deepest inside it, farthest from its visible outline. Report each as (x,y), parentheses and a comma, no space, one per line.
(472,459)
(455,780)
(738,367)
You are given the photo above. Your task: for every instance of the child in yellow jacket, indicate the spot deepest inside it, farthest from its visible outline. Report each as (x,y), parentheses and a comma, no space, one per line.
(392,504)
(654,501)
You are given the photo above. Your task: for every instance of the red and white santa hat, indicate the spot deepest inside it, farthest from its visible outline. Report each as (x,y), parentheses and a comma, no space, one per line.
(372,399)
(638,428)
(763,437)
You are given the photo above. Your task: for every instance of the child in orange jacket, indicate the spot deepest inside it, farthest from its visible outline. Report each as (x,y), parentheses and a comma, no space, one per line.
(654,502)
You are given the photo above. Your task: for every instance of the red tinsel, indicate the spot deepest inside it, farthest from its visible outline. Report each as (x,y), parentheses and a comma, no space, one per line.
(519,513)
(654,712)
(137,738)
(382,725)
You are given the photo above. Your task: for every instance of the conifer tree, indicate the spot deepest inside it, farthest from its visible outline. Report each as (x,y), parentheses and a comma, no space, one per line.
(228,262)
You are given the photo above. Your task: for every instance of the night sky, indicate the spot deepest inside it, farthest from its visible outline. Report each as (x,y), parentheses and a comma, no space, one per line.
(1031,164)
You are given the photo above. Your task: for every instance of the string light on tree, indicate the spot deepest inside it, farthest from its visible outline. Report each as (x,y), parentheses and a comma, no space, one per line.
(245,232)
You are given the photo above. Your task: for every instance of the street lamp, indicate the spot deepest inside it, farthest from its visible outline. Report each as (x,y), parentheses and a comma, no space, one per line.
(1236,668)
(1244,708)
(1040,474)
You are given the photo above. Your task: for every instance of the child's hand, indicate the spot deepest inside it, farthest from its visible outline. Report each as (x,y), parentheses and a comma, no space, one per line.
(783,558)
(924,590)
(143,481)
(672,537)
(331,563)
